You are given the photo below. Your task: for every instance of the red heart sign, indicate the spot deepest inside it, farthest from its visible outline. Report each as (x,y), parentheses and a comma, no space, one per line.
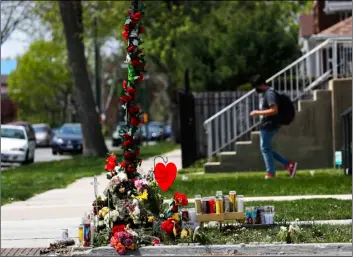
(165,175)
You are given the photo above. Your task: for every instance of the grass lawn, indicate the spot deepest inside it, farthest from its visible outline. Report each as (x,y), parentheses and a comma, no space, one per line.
(313,234)
(309,209)
(254,184)
(21,183)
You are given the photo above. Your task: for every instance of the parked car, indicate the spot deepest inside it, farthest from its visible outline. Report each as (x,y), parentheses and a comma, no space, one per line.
(17,146)
(155,131)
(167,131)
(116,140)
(69,139)
(28,126)
(55,131)
(44,134)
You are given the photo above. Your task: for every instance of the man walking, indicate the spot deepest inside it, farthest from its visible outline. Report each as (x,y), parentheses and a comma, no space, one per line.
(270,124)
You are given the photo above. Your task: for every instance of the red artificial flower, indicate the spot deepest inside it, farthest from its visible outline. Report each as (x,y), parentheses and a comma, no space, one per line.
(125,98)
(135,62)
(140,78)
(131,169)
(128,155)
(131,90)
(136,16)
(127,136)
(131,48)
(111,163)
(133,23)
(141,29)
(125,164)
(134,121)
(109,167)
(137,152)
(118,228)
(181,199)
(126,28)
(127,143)
(128,12)
(175,208)
(168,226)
(125,34)
(156,242)
(134,109)
(124,84)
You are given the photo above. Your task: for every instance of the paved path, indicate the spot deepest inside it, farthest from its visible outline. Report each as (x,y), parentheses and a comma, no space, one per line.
(39,220)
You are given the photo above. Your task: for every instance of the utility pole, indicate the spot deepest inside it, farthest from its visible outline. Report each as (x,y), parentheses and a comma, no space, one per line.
(97,65)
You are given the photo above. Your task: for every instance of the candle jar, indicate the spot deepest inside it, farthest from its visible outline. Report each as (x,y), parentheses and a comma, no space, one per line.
(212,205)
(218,205)
(219,193)
(240,203)
(226,204)
(198,204)
(232,201)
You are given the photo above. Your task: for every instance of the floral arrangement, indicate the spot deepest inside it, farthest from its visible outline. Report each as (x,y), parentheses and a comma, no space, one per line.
(132,210)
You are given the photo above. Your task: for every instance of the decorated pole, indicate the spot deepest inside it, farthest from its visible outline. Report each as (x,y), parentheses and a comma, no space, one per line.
(130,161)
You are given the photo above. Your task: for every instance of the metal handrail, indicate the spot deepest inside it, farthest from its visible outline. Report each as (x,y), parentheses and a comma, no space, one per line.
(310,70)
(302,58)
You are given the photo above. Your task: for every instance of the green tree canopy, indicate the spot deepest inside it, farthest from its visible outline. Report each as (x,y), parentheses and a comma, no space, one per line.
(41,83)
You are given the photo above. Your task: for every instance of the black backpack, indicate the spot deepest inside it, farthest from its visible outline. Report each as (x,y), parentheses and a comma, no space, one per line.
(286,110)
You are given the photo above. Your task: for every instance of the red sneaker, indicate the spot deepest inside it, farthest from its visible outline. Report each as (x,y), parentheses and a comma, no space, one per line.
(292,168)
(269,176)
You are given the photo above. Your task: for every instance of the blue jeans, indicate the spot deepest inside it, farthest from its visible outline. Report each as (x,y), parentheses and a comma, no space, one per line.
(268,153)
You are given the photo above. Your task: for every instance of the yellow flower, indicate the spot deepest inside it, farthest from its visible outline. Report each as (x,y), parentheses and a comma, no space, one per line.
(144,195)
(184,233)
(150,219)
(176,216)
(105,211)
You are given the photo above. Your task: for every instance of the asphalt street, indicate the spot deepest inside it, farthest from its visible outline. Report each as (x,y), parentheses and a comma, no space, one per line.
(44,154)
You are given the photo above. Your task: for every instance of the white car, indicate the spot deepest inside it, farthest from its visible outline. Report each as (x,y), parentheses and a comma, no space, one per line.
(16,146)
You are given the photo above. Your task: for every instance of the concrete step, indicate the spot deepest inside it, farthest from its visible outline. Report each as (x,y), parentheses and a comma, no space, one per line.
(243,143)
(303,104)
(217,167)
(212,167)
(227,156)
(255,137)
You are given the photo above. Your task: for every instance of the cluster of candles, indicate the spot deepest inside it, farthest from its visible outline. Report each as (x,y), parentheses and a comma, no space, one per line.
(260,215)
(219,203)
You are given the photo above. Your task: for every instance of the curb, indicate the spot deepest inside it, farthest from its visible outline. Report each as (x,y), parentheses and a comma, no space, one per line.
(342,249)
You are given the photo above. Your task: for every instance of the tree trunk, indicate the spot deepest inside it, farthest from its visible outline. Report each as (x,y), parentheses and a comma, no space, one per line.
(71,16)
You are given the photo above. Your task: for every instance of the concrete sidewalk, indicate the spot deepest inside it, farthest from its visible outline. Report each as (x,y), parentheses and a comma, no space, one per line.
(40,219)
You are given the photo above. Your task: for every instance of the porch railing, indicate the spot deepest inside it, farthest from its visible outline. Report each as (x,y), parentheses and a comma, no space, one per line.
(330,59)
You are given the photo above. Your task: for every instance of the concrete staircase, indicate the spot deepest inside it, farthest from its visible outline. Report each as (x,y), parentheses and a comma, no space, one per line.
(311,132)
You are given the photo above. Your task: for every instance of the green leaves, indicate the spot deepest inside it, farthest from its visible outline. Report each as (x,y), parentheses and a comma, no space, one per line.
(42,82)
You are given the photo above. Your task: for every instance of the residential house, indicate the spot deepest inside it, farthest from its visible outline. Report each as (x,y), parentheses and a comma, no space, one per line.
(327,20)
(8,107)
